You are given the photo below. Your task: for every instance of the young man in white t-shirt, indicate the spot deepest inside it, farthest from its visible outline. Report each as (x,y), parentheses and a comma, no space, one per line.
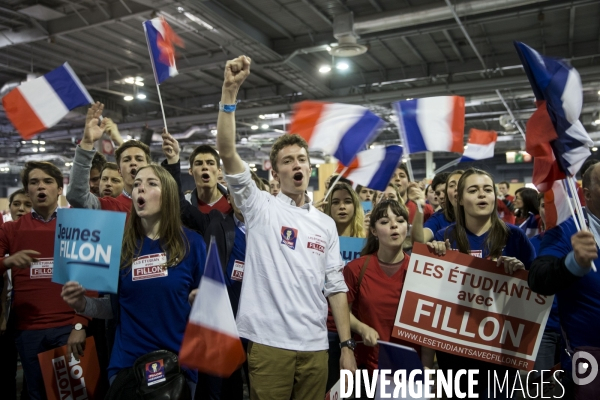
(292,264)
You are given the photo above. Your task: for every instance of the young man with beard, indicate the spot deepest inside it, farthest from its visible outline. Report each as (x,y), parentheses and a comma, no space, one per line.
(205,165)
(131,156)
(44,321)
(111,181)
(292,264)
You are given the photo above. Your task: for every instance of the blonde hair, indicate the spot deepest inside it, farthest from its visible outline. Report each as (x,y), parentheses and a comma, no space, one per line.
(357,228)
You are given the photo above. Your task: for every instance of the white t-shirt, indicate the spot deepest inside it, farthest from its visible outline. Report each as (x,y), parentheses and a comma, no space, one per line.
(292,263)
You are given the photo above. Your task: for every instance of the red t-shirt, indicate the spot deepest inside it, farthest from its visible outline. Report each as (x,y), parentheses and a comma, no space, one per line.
(222,205)
(411,206)
(120,203)
(376,304)
(36,300)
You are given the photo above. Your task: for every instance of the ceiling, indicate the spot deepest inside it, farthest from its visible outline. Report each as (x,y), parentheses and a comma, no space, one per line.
(414,49)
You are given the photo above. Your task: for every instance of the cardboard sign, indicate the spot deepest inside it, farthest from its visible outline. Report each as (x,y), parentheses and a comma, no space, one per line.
(67,378)
(351,247)
(367,206)
(334,392)
(467,306)
(87,248)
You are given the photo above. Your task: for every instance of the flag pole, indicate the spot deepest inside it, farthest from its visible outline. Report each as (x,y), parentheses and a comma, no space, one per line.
(566,191)
(412,179)
(450,164)
(579,211)
(162,109)
(334,183)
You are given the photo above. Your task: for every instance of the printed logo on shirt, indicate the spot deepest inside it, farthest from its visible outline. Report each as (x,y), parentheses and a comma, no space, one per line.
(477,253)
(238,271)
(316,246)
(316,243)
(149,267)
(289,236)
(155,372)
(41,269)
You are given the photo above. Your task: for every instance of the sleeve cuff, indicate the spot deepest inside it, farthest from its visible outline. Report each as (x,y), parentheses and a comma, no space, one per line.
(573,267)
(240,179)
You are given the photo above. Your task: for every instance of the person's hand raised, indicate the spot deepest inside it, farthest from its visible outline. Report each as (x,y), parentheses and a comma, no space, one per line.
(236,72)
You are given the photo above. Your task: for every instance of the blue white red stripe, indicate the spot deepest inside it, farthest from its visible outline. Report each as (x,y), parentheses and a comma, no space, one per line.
(432,124)
(41,103)
(341,130)
(531,226)
(480,145)
(373,168)
(556,205)
(161,40)
(211,343)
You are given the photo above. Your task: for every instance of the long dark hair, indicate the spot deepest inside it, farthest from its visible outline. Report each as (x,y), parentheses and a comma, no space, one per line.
(378,212)
(449,209)
(498,233)
(531,204)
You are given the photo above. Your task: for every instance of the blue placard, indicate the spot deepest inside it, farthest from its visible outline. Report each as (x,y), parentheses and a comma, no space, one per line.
(367,206)
(87,248)
(350,247)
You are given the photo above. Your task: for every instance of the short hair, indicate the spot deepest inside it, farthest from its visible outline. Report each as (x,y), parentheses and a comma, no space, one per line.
(110,165)
(504,183)
(15,193)
(133,143)
(404,168)
(205,149)
(45,166)
(586,165)
(439,179)
(586,182)
(98,162)
(285,141)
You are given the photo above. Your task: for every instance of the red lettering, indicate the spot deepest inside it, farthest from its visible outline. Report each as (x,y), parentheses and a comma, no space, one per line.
(439,272)
(427,269)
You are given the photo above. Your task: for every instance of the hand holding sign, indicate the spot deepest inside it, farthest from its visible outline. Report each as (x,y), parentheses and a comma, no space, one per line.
(76,343)
(21,259)
(511,264)
(439,247)
(74,295)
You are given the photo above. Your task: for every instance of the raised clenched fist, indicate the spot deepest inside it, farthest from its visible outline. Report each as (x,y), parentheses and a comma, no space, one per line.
(236,72)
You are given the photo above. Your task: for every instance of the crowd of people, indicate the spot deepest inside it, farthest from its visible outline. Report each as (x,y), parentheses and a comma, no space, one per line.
(299,310)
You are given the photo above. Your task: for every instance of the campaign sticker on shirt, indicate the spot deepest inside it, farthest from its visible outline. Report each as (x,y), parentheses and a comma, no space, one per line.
(149,267)
(477,253)
(316,243)
(155,372)
(238,271)
(41,269)
(289,236)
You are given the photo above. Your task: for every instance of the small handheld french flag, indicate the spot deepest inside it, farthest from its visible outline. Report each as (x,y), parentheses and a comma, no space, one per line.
(432,124)
(211,342)
(341,130)
(161,41)
(41,103)
(373,168)
(480,145)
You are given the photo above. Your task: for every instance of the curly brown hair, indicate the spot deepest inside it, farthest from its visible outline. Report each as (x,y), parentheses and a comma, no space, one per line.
(285,141)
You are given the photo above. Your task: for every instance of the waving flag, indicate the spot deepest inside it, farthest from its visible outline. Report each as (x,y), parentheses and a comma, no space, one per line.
(41,103)
(555,137)
(480,145)
(161,41)
(341,130)
(211,343)
(556,205)
(373,168)
(432,124)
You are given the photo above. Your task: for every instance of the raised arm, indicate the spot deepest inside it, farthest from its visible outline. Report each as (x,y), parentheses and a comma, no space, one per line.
(236,71)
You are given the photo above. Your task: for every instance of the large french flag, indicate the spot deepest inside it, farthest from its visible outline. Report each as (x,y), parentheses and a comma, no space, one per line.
(432,124)
(341,130)
(161,41)
(373,168)
(480,145)
(41,103)
(211,343)
(556,205)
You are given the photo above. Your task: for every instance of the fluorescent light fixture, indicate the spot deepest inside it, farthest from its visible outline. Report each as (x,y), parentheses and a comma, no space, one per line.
(42,149)
(23,141)
(197,20)
(324,69)
(213,132)
(597,122)
(130,80)
(254,127)
(139,79)
(34,141)
(265,126)
(34,149)
(252,165)
(141,96)
(42,142)
(261,116)
(342,66)
(139,83)
(594,149)
(128,98)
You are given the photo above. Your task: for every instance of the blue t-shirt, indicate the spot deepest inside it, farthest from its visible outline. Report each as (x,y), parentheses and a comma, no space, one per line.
(579,304)
(553,323)
(437,221)
(517,245)
(238,253)
(154,311)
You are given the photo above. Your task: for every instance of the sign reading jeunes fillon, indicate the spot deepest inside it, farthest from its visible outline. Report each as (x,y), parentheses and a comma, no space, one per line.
(467,306)
(87,248)
(350,248)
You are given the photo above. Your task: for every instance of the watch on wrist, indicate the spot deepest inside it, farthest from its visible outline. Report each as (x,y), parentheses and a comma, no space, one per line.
(78,326)
(350,343)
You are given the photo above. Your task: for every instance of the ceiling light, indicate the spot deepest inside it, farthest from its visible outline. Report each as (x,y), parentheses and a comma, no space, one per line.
(594,149)
(130,80)
(139,83)
(42,149)
(324,69)
(213,131)
(34,149)
(34,141)
(328,48)
(128,98)
(42,142)
(180,9)
(141,96)
(597,122)
(261,116)
(254,127)
(139,79)
(23,142)
(342,66)
(252,165)
(198,21)
(265,126)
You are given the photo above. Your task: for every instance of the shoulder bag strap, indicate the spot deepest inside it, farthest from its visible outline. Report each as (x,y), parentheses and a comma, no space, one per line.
(362,274)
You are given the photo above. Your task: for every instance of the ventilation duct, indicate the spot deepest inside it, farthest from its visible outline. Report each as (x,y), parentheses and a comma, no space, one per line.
(343,31)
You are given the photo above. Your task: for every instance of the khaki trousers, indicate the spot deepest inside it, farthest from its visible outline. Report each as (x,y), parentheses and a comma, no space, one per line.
(278,374)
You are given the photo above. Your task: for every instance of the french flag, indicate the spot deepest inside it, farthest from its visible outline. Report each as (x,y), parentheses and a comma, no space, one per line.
(161,41)
(556,205)
(432,124)
(211,343)
(480,145)
(341,130)
(41,103)
(373,168)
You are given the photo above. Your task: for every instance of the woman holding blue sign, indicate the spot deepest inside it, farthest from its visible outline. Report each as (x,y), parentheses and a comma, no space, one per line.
(479,231)
(161,263)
